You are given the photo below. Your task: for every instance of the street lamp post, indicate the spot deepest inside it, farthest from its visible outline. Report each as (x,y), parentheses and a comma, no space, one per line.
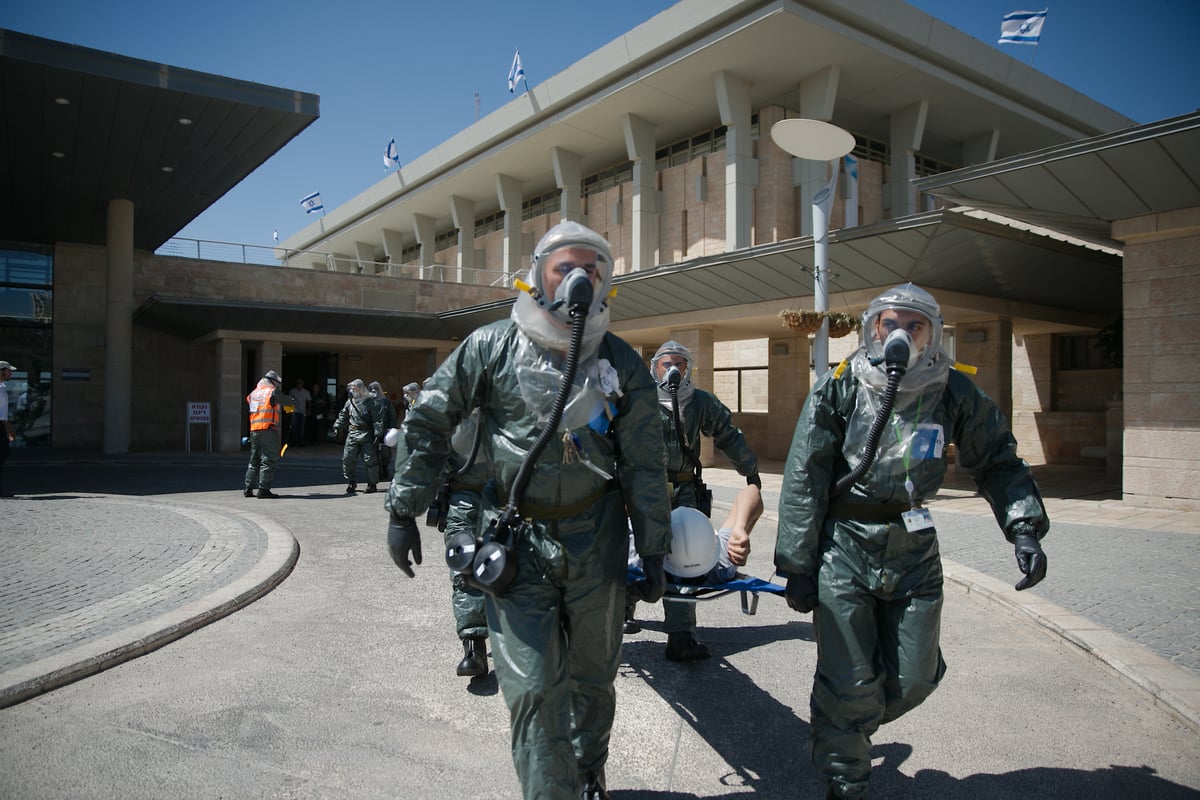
(817,141)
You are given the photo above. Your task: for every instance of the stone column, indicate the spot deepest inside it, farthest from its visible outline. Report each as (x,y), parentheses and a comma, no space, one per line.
(118,320)
(788,379)
(231,410)
(640,143)
(741,170)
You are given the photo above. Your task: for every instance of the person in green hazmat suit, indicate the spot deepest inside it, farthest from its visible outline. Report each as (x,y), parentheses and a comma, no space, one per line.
(856,545)
(566,470)
(363,423)
(699,413)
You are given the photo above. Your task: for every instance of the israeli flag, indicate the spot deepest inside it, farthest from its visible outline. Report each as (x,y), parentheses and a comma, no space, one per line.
(390,157)
(1022,27)
(516,73)
(312,203)
(277,236)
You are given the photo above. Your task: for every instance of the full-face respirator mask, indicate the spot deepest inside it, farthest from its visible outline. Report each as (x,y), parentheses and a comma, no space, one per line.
(896,355)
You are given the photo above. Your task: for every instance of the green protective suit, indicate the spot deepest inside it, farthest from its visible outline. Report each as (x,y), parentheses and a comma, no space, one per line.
(702,414)
(556,631)
(363,423)
(879,587)
(463,515)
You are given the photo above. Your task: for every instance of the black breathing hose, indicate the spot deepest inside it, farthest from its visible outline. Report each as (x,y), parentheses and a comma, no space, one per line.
(894,374)
(476,440)
(578,311)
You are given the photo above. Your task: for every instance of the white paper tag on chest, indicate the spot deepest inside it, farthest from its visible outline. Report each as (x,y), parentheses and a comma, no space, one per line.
(918,519)
(610,381)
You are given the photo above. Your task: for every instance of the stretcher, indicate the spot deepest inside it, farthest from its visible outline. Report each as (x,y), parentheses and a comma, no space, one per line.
(746,586)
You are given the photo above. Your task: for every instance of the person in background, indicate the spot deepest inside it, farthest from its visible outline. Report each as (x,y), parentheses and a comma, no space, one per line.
(266,419)
(386,413)
(363,424)
(302,400)
(687,413)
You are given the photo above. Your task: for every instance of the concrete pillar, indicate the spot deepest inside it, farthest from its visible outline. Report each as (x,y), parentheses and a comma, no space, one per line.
(818,94)
(787,375)
(393,248)
(988,346)
(700,342)
(364,255)
(462,212)
(741,170)
(775,203)
(907,127)
(426,231)
(981,149)
(118,320)
(640,144)
(231,411)
(510,195)
(568,177)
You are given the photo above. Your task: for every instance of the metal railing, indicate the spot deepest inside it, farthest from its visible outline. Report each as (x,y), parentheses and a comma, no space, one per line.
(231,252)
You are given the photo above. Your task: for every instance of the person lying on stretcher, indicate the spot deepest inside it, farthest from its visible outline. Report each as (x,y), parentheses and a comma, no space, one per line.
(699,555)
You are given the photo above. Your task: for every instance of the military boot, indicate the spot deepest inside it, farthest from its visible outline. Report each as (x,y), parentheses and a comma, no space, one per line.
(352,488)
(683,646)
(474,662)
(593,786)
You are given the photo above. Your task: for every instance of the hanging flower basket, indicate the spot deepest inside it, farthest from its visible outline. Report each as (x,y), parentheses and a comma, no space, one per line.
(842,324)
(801,321)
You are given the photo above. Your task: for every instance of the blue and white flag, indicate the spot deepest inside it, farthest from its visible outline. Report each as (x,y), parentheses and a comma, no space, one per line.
(390,157)
(1022,27)
(516,73)
(312,203)
(277,236)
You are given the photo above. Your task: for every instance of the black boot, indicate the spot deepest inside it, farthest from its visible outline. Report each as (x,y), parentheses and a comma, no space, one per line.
(630,625)
(682,646)
(593,786)
(474,663)
(266,494)
(370,489)
(352,488)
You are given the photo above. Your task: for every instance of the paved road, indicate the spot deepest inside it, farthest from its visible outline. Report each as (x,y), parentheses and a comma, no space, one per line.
(339,681)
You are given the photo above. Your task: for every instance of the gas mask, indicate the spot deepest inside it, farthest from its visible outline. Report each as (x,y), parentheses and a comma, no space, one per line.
(682,380)
(544,316)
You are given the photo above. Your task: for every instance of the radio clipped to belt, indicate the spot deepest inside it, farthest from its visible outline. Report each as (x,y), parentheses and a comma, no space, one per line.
(436,515)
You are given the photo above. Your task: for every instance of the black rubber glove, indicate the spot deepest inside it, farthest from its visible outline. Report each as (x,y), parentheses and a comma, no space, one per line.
(801,593)
(754,480)
(404,539)
(651,588)
(1030,560)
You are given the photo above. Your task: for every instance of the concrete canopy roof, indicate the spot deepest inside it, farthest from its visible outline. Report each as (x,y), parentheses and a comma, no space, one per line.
(1084,186)
(977,266)
(81,127)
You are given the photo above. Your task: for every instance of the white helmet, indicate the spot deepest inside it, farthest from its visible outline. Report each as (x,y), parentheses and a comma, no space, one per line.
(694,545)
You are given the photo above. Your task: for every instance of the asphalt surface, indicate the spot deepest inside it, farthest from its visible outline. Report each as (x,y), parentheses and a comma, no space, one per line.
(163,636)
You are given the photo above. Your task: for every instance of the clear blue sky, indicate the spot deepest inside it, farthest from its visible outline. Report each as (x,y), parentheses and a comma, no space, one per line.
(410,70)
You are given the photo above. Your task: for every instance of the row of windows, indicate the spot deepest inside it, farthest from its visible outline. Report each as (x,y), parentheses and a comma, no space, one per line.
(672,155)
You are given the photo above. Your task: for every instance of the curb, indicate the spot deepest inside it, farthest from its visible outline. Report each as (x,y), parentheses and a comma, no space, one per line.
(273,567)
(1168,685)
